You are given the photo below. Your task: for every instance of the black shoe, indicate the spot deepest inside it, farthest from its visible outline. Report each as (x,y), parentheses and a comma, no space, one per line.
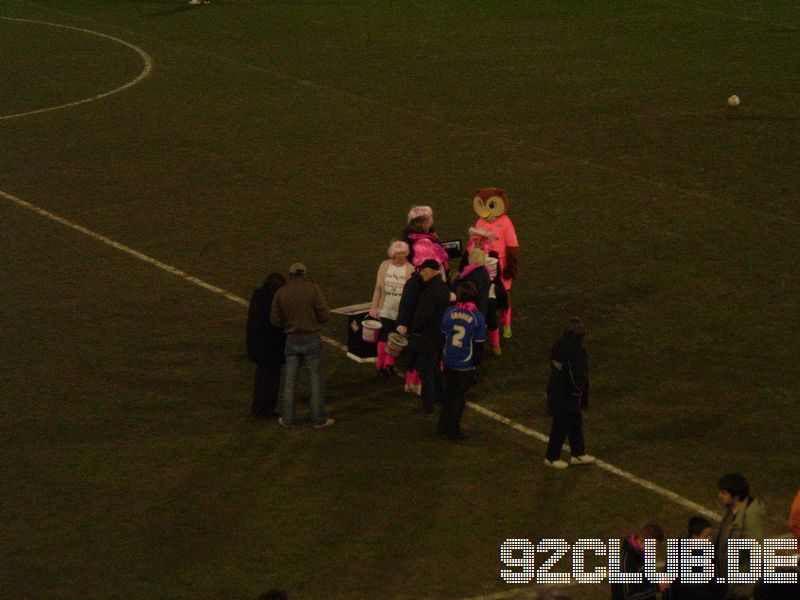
(423,411)
(459,436)
(391,371)
(383,373)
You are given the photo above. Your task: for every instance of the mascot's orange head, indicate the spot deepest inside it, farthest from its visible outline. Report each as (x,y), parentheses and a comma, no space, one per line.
(490,203)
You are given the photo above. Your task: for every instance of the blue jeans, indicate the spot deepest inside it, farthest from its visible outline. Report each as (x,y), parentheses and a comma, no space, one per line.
(310,352)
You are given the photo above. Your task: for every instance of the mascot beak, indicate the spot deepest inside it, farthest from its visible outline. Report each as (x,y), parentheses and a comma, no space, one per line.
(484,214)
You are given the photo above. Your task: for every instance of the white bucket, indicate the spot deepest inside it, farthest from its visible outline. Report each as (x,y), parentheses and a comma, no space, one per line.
(395,344)
(370,330)
(491,266)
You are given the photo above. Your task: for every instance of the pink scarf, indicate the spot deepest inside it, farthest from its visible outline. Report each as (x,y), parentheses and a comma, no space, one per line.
(470,268)
(466,306)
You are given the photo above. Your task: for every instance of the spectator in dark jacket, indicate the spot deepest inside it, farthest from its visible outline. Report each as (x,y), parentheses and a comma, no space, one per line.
(632,561)
(405,314)
(699,528)
(265,344)
(412,290)
(425,333)
(567,395)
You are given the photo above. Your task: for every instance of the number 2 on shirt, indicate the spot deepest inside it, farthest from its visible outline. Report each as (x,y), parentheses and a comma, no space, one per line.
(458,335)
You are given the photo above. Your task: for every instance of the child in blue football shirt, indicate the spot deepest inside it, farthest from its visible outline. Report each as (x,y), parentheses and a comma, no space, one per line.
(464,328)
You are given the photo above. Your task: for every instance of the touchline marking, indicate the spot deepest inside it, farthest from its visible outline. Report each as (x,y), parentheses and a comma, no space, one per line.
(148,66)
(143,257)
(648,485)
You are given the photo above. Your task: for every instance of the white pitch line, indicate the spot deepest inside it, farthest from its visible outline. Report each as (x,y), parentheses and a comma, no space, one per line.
(148,66)
(648,485)
(657,489)
(143,257)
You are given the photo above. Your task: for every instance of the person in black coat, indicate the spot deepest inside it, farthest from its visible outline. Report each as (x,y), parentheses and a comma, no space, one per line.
(567,395)
(265,346)
(412,290)
(425,333)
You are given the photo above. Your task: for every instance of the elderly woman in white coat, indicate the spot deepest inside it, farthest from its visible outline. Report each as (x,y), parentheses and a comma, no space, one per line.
(392,276)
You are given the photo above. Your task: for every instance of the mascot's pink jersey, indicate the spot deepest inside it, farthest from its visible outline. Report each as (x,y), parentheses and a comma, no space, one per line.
(504,235)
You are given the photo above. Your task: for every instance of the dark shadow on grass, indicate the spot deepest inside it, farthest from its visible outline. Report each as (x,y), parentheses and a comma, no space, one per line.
(172,11)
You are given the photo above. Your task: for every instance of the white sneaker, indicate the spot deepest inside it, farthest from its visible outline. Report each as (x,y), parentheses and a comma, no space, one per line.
(283,423)
(583,459)
(556,464)
(326,423)
(195,1)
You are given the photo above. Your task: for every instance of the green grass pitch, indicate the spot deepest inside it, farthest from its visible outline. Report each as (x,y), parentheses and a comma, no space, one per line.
(269,132)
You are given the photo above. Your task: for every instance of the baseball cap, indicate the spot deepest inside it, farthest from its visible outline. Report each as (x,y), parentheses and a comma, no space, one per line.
(430,264)
(297,269)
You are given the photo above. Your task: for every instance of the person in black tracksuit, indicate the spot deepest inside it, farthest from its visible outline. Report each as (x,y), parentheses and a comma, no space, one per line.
(265,345)
(567,395)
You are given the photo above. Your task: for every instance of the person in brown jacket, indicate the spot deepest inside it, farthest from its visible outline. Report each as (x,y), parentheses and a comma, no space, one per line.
(743,519)
(299,307)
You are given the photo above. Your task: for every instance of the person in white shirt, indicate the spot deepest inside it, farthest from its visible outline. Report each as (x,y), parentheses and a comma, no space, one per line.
(392,276)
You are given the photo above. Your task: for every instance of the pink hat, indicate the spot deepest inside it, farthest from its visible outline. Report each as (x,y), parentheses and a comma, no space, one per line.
(423,250)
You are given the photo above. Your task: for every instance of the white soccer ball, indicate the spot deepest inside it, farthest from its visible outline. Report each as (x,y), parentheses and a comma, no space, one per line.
(734,100)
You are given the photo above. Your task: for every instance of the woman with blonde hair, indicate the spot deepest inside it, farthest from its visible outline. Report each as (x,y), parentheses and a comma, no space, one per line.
(392,276)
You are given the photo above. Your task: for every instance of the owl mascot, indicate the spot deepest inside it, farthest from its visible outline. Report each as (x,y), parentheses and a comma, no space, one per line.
(494,232)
